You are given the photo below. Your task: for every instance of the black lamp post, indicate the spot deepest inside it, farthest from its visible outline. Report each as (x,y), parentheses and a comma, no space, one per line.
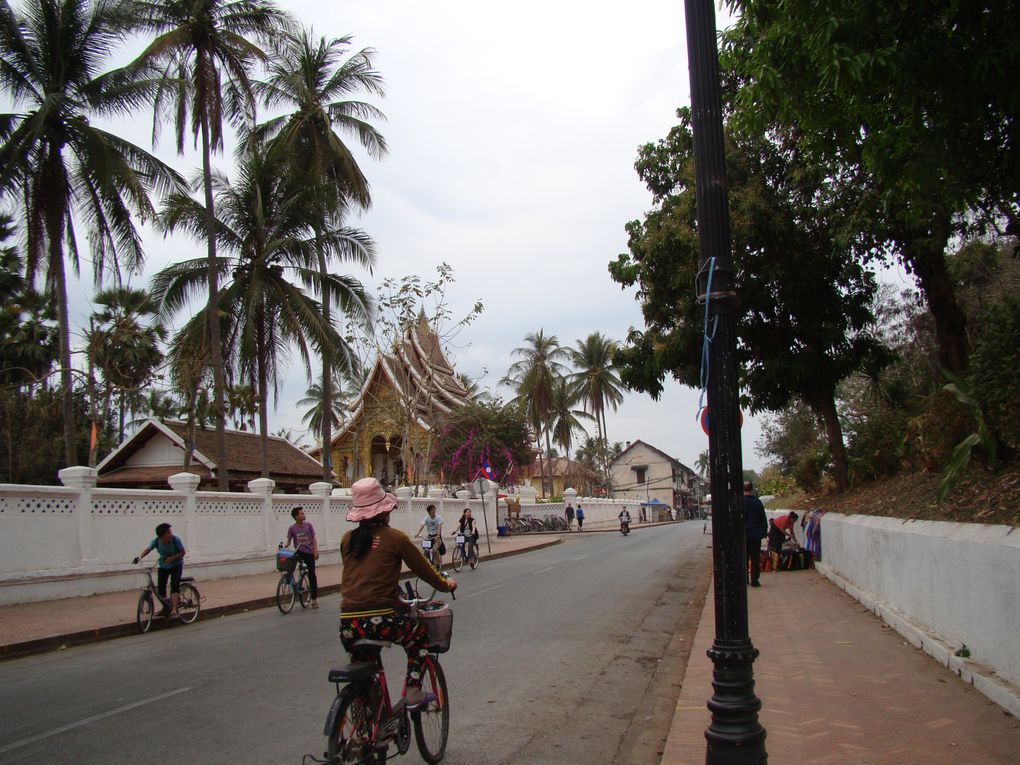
(734,736)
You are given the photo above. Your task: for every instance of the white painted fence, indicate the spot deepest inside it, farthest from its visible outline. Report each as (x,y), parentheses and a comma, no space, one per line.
(76,539)
(941,585)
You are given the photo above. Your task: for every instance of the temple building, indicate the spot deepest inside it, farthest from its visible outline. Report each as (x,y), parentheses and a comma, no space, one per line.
(389,432)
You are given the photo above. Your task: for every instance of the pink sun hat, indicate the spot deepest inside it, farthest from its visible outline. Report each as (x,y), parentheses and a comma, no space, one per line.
(370,500)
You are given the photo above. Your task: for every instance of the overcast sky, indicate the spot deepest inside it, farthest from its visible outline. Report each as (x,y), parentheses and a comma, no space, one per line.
(513,131)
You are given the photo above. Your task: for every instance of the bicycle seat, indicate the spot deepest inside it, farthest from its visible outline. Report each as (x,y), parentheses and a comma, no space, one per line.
(353,672)
(187,579)
(367,643)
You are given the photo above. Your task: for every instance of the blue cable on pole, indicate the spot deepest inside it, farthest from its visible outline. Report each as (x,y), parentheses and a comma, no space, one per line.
(706,339)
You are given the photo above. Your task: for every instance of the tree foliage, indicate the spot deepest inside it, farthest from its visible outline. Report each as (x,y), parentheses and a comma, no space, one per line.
(468,434)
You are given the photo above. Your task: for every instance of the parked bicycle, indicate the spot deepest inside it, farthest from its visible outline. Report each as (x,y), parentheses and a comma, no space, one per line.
(187,607)
(363,721)
(293,584)
(464,552)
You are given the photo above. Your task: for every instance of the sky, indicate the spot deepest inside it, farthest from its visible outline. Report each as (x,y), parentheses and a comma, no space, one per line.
(513,130)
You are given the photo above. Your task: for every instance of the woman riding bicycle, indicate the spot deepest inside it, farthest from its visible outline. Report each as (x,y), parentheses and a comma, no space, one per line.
(467,526)
(371,555)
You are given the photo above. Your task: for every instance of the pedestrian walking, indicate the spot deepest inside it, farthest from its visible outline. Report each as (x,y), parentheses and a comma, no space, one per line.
(756,526)
(579,514)
(569,515)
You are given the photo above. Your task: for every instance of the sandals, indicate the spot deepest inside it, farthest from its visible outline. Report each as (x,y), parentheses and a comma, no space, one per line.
(315,604)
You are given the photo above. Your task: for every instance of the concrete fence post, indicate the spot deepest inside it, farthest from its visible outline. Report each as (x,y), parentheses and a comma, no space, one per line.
(83,480)
(323,490)
(263,487)
(187,484)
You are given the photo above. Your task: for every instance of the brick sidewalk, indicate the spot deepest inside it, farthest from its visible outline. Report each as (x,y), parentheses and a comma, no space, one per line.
(838,686)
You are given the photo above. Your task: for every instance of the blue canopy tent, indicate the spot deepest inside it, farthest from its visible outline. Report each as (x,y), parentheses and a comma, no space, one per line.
(657,506)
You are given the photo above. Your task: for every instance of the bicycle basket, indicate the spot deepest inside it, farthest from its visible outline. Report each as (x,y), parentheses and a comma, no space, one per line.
(438,619)
(285,560)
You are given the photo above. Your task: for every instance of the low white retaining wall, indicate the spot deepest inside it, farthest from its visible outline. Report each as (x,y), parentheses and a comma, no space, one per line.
(76,539)
(941,585)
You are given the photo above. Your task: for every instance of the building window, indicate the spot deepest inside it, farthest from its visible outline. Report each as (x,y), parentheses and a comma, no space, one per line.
(639,474)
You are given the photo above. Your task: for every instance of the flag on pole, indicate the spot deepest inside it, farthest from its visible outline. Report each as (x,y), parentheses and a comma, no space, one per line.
(93,438)
(487,470)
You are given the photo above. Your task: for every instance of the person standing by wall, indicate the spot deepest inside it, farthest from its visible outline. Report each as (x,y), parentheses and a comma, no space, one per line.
(569,515)
(579,514)
(306,547)
(756,526)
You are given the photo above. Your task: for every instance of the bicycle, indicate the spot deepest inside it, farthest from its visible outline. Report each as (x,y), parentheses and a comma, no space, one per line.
(430,547)
(362,721)
(460,554)
(293,584)
(188,605)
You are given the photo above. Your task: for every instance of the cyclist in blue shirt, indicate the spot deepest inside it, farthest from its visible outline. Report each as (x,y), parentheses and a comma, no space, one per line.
(171,563)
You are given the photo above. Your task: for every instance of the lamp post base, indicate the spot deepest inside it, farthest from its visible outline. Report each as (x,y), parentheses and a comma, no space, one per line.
(734,736)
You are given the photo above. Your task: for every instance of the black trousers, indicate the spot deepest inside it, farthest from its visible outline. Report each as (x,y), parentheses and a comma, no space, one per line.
(313,582)
(754,555)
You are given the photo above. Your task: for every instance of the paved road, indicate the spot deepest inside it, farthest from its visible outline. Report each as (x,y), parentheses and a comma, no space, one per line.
(553,653)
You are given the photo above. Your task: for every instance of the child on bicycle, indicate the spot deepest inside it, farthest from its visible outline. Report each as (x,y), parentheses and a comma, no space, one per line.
(306,547)
(433,525)
(371,556)
(469,529)
(171,564)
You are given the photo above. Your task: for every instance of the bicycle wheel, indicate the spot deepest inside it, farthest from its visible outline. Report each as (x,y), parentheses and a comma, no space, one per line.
(458,558)
(473,559)
(145,610)
(189,604)
(305,590)
(432,721)
(284,595)
(350,742)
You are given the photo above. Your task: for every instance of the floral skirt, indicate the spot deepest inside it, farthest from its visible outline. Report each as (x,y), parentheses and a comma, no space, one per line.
(402,630)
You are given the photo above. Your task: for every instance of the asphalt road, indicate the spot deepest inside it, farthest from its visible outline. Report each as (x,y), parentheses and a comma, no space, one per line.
(553,656)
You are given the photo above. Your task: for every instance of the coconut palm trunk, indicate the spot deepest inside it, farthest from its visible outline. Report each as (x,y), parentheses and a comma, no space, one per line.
(215,342)
(327,370)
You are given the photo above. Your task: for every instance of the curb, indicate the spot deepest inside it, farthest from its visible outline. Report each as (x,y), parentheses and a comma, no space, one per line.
(100,634)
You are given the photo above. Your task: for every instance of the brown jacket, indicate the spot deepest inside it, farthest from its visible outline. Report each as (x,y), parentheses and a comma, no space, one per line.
(370,584)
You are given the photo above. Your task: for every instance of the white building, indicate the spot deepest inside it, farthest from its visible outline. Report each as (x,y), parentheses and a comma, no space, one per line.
(644,473)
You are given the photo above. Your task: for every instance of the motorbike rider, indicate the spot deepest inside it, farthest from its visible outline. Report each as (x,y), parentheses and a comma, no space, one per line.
(624,517)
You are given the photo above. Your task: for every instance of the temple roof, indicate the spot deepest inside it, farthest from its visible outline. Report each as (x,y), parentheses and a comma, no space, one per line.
(420,374)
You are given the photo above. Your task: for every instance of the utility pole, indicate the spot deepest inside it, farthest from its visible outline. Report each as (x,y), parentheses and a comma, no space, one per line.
(734,736)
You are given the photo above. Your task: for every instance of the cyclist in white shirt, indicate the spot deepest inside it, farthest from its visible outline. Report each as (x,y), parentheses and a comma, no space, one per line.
(433,525)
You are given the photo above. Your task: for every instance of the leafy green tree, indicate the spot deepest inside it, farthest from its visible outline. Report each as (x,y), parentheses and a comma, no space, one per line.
(597,384)
(468,434)
(912,112)
(315,79)
(202,53)
(124,345)
(314,414)
(533,379)
(266,223)
(805,319)
(61,167)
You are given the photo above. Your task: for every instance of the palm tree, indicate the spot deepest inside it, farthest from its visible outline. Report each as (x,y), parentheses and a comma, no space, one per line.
(315,80)
(313,415)
(124,346)
(202,53)
(60,166)
(702,464)
(566,421)
(266,223)
(597,385)
(533,378)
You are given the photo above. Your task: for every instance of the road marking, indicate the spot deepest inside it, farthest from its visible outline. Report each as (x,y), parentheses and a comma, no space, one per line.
(480,592)
(89,720)
(579,557)
(542,570)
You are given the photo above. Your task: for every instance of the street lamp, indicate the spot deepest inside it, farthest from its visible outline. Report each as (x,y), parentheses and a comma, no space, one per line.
(734,736)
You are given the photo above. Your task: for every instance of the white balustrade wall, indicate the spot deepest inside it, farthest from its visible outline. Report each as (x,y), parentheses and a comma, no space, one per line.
(77,539)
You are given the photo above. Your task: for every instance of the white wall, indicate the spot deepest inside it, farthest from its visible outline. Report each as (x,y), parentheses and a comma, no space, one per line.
(79,540)
(942,584)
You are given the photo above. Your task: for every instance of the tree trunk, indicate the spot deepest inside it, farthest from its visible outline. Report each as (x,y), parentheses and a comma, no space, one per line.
(263,398)
(541,462)
(327,371)
(825,409)
(605,454)
(213,311)
(548,451)
(926,256)
(55,232)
